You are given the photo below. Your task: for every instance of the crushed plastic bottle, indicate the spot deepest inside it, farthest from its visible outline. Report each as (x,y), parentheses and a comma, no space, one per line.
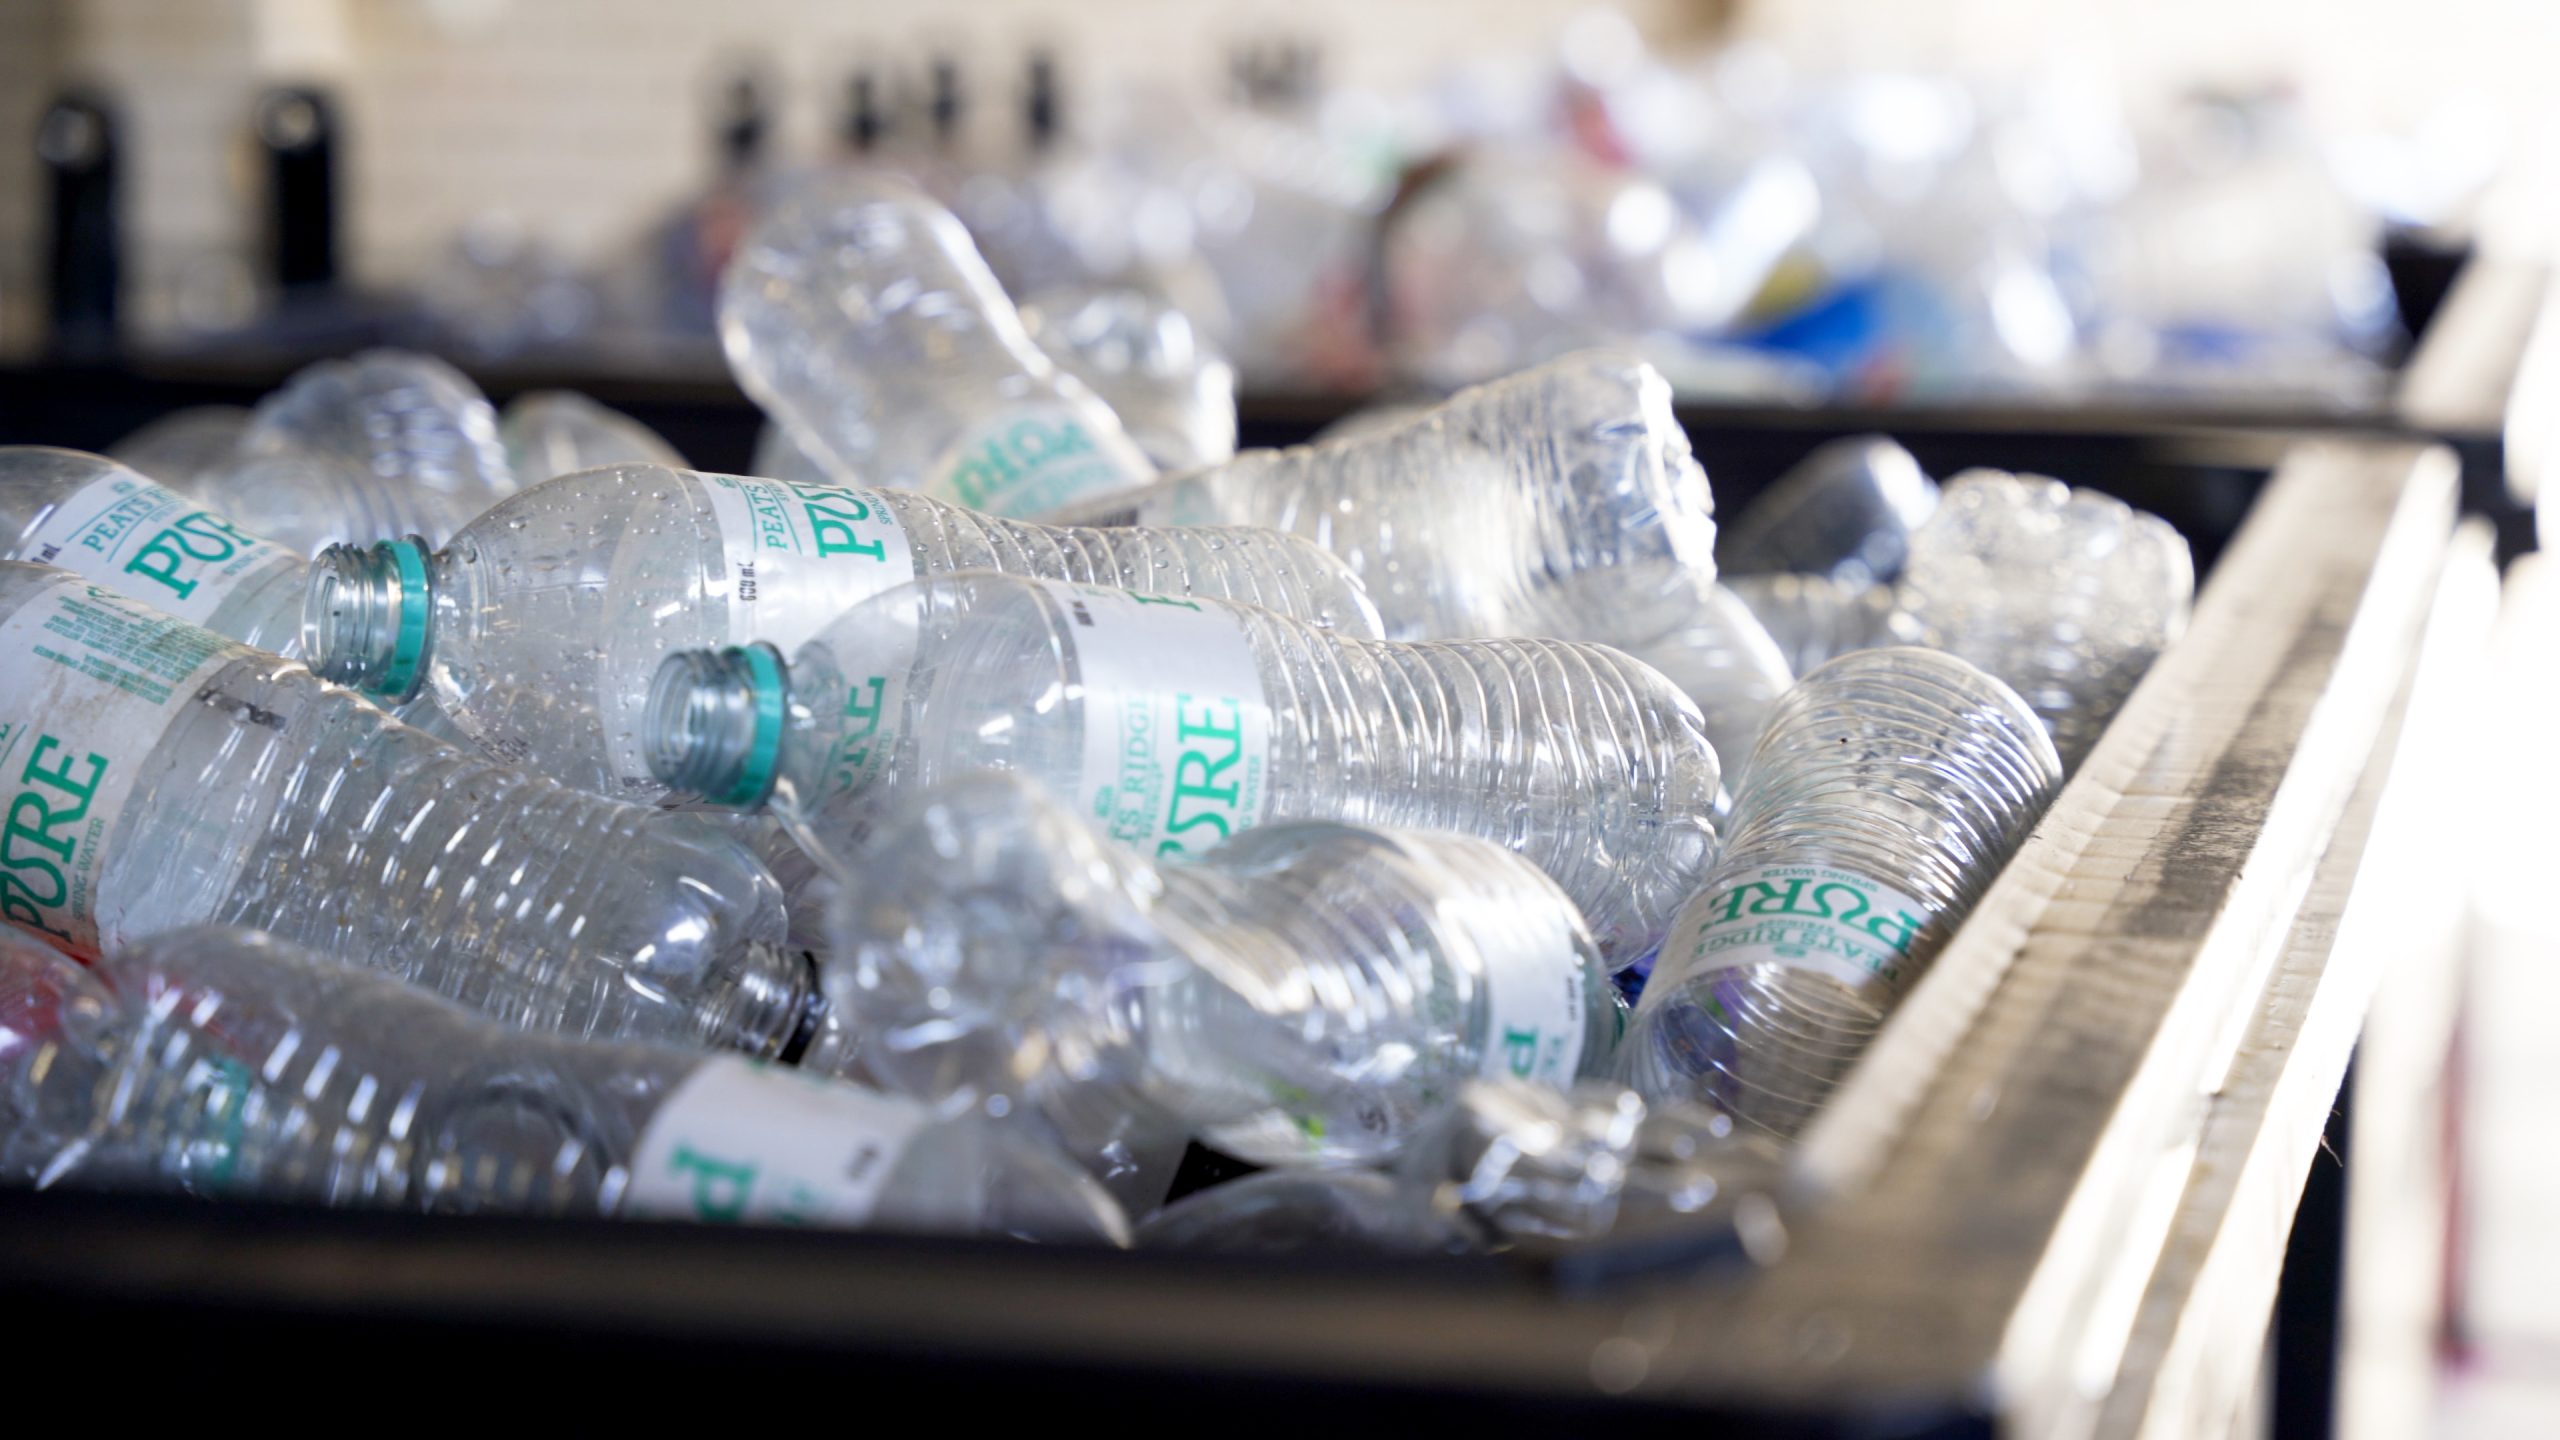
(540,627)
(387,443)
(1846,512)
(1179,722)
(860,316)
(165,777)
(1814,619)
(183,444)
(2066,594)
(1307,993)
(560,432)
(1173,391)
(1888,791)
(228,1063)
(102,521)
(1561,501)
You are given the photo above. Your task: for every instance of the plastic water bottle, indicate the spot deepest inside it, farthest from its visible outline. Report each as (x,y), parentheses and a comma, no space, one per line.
(1509,1163)
(1814,619)
(1723,659)
(540,628)
(2066,594)
(559,432)
(1308,993)
(859,315)
(1561,501)
(1173,391)
(1889,789)
(230,1063)
(1847,511)
(387,443)
(101,521)
(1177,722)
(159,776)
(183,444)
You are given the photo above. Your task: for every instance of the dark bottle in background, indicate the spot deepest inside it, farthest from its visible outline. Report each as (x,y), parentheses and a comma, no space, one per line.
(77,145)
(297,133)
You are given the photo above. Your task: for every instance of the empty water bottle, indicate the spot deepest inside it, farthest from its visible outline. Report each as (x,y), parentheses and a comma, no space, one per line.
(387,443)
(183,444)
(1561,501)
(1306,993)
(1888,791)
(1173,391)
(160,776)
(1177,722)
(1723,659)
(560,432)
(1814,619)
(107,524)
(2066,594)
(541,626)
(1847,511)
(860,316)
(230,1063)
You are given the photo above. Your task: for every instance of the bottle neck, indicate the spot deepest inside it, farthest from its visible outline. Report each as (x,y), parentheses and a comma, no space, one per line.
(714,723)
(367,620)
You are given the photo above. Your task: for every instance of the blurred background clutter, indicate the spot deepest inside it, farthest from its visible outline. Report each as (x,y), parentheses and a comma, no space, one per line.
(1780,201)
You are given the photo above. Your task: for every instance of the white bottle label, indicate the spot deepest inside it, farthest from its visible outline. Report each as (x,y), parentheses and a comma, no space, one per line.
(153,544)
(800,555)
(88,681)
(1177,732)
(1033,460)
(1536,999)
(740,1142)
(1813,917)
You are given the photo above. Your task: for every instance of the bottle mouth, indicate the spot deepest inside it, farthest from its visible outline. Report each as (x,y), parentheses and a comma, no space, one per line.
(365,617)
(713,726)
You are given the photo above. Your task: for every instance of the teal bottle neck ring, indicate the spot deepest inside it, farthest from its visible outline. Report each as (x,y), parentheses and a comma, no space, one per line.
(402,672)
(763,760)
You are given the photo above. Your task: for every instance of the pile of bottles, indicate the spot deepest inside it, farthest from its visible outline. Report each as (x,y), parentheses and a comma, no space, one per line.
(1443,819)
(1760,222)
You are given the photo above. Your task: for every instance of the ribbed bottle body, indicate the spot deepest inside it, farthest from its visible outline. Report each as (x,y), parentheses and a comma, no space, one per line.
(1561,501)
(1888,791)
(230,1063)
(1181,723)
(173,779)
